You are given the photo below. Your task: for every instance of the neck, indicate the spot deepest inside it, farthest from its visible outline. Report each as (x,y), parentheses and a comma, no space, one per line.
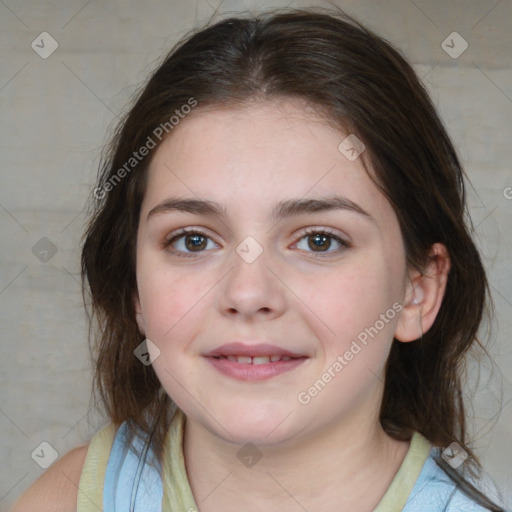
(347,465)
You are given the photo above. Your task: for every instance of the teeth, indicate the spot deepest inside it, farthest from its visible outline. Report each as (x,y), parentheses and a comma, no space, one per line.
(257,359)
(260,360)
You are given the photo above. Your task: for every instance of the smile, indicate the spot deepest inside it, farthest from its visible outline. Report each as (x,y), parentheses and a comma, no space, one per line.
(256,359)
(256,368)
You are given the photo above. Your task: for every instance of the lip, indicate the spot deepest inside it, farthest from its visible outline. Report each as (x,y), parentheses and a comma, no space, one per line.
(254,372)
(257,350)
(250,371)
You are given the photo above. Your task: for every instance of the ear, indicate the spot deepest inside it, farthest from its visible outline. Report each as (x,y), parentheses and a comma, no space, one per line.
(424,294)
(138,314)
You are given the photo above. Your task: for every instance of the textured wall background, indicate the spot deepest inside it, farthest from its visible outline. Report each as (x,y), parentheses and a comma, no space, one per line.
(55,114)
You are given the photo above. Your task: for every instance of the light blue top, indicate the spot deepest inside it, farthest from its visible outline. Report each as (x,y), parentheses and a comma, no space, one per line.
(122,472)
(433,491)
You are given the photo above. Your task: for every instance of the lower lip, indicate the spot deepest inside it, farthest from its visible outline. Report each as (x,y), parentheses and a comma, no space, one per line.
(254,372)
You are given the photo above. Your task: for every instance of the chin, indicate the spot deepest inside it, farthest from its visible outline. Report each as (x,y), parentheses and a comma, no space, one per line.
(258,425)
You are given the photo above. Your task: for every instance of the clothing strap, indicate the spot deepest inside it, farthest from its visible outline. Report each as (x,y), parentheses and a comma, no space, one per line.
(90,486)
(400,489)
(177,492)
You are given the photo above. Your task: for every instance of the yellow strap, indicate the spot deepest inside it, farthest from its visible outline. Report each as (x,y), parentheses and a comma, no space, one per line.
(400,489)
(177,492)
(90,487)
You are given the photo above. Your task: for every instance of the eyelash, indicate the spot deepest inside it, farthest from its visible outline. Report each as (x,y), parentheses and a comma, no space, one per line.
(344,245)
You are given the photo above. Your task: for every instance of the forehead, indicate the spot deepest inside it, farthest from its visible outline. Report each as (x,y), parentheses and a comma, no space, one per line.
(257,155)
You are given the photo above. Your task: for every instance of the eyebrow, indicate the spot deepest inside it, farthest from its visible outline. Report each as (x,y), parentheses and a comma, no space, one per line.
(281,210)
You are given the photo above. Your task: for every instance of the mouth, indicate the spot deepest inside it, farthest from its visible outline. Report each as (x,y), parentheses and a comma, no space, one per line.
(239,350)
(254,362)
(257,359)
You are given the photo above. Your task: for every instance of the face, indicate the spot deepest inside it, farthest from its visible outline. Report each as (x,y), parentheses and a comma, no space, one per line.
(324,283)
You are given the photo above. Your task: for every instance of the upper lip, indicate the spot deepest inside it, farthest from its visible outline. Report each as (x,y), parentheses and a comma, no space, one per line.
(256,350)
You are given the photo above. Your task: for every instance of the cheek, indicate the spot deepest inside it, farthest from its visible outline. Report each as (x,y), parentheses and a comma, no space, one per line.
(168,301)
(353,304)
(172,306)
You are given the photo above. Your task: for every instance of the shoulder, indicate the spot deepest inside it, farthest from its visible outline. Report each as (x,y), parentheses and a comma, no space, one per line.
(56,490)
(436,490)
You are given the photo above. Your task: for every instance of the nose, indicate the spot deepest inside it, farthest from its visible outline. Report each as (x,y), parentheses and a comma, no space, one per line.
(252,289)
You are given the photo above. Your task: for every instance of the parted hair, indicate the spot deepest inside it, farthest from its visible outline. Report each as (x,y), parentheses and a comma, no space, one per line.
(360,84)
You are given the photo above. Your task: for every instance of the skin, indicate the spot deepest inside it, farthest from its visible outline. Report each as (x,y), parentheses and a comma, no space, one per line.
(332,453)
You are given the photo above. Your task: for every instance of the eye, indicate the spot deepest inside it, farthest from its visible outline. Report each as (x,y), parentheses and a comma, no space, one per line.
(320,241)
(188,241)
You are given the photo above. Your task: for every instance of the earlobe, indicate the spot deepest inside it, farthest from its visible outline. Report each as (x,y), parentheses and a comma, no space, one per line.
(424,296)
(138,314)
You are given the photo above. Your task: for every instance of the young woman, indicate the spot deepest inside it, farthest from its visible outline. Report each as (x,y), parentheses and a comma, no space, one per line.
(286,286)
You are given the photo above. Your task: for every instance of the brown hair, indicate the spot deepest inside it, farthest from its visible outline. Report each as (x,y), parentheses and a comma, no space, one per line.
(360,84)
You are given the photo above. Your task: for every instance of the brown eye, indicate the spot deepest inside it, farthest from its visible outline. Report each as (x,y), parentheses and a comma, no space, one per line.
(320,241)
(188,241)
(195,242)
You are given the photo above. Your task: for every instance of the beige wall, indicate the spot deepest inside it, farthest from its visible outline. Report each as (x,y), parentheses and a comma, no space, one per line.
(55,113)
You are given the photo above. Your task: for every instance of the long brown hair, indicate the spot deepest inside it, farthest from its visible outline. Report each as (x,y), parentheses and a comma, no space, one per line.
(361,85)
